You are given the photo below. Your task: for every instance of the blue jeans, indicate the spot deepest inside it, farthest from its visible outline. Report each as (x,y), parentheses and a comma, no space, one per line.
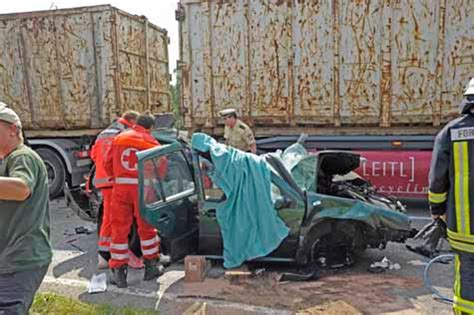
(18,289)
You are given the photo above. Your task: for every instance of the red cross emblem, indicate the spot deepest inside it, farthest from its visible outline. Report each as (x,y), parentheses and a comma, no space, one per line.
(129,159)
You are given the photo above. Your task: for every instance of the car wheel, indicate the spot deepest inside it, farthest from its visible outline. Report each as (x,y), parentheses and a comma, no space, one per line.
(330,246)
(56,171)
(328,253)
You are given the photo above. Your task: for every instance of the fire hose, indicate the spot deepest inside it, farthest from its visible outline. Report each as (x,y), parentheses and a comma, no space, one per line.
(426,279)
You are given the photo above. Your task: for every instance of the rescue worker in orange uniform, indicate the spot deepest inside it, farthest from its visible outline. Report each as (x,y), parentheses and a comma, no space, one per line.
(122,165)
(104,182)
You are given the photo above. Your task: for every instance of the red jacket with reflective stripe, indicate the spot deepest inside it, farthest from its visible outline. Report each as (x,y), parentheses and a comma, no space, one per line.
(122,160)
(100,149)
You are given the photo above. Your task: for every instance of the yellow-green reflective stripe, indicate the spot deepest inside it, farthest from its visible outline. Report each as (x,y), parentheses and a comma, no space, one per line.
(461,310)
(466,208)
(457,184)
(457,275)
(461,186)
(460,237)
(458,301)
(437,198)
(461,246)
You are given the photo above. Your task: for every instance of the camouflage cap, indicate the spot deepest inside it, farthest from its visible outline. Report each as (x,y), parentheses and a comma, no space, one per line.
(7,114)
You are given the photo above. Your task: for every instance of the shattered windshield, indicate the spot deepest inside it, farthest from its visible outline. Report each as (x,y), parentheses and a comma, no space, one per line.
(300,164)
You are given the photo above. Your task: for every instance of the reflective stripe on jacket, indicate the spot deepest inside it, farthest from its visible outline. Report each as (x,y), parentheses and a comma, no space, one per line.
(100,149)
(451,182)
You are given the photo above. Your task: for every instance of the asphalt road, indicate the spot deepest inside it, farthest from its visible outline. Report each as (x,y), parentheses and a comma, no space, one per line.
(392,292)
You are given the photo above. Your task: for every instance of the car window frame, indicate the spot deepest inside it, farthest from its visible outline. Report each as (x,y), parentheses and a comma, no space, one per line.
(156,153)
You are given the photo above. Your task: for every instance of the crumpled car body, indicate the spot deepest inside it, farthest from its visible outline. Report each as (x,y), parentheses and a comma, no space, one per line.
(331,212)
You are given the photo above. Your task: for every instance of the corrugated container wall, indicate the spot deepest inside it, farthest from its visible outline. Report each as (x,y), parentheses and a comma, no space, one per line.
(80,68)
(398,66)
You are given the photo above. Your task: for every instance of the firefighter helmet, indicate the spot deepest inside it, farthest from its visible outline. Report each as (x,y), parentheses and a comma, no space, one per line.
(468,102)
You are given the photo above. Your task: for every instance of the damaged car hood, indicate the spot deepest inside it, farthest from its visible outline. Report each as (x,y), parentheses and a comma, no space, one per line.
(329,207)
(329,173)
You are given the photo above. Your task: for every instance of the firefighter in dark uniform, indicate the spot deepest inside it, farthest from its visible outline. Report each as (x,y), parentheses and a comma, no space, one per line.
(451,193)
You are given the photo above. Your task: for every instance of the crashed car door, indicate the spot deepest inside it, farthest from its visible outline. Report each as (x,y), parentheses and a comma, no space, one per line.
(210,196)
(288,204)
(168,197)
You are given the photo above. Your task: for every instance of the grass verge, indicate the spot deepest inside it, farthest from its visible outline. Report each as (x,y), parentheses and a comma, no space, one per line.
(50,303)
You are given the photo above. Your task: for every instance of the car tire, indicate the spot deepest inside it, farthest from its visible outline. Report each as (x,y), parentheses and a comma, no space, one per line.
(56,171)
(322,239)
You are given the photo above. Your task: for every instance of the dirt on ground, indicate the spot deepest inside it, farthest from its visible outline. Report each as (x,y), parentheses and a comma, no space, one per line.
(348,290)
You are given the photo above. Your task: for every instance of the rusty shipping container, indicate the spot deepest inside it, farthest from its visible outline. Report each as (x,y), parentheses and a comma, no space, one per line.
(352,67)
(74,70)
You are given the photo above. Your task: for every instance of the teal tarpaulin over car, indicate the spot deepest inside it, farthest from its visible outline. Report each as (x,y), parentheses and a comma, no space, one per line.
(249,223)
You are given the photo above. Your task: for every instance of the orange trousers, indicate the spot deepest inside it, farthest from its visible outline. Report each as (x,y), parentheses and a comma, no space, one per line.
(105,235)
(124,209)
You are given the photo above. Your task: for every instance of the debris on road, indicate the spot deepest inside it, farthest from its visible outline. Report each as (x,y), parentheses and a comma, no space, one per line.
(311,273)
(426,242)
(259,272)
(77,247)
(82,230)
(98,283)
(384,264)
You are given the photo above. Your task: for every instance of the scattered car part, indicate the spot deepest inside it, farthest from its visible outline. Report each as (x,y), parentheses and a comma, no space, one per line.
(98,283)
(428,238)
(384,264)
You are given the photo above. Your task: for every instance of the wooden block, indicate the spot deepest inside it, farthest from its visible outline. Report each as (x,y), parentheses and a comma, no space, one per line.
(195,268)
(236,276)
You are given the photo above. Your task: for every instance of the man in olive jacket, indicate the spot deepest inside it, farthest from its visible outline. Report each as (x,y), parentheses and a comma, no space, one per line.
(25,249)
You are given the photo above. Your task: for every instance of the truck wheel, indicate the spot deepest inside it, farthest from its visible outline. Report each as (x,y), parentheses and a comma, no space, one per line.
(56,171)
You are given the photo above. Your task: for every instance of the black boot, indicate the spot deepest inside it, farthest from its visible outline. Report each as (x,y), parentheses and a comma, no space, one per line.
(119,276)
(152,269)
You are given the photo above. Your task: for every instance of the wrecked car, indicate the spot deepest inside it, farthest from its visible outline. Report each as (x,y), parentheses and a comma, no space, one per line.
(331,212)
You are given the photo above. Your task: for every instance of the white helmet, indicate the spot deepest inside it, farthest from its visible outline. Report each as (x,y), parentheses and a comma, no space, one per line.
(469,87)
